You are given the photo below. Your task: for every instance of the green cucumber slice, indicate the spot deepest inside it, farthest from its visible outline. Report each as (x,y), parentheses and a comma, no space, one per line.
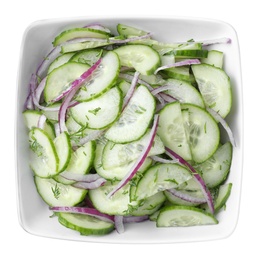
(171,130)
(59,61)
(202,132)
(63,148)
(52,115)
(124,87)
(127,30)
(118,204)
(135,118)
(214,58)
(31,118)
(79,33)
(180,73)
(189,54)
(106,77)
(184,216)
(100,112)
(44,160)
(161,177)
(61,78)
(214,85)
(58,194)
(79,46)
(224,192)
(215,170)
(116,173)
(89,57)
(149,205)
(84,224)
(115,155)
(80,163)
(141,57)
(185,92)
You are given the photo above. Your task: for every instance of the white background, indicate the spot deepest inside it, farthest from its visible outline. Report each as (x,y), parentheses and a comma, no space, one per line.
(245,17)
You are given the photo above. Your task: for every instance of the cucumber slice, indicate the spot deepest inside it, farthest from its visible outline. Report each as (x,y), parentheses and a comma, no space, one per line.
(72,126)
(149,205)
(63,149)
(31,118)
(135,118)
(60,78)
(52,115)
(100,112)
(107,75)
(223,195)
(161,177)
(214,85)
(80,46)
(215,170)
(143,58)
(124,87)
(185,92)
(127,30)
(171,130)
(180,73)
(44,160)
(80,163)
(84,224)
(89,57)
(189,54)
(59,61)
(118,204)
(202,132)
(115,155)
(79,33)
(184,216)
(58,194)
(116,173)
(215,58)
(153,80)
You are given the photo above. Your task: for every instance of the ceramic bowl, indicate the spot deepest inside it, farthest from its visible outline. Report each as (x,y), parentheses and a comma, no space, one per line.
(34,215)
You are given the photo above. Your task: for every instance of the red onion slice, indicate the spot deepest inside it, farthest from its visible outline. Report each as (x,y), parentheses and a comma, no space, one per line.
(43,66)
(80,177)
(135,219)
(140,159)
(90,185)
(162,160)
(168,98)
(98,26)
(131,90)
(71,92)
(129,78)
(119,224)
(216,41)
(41,121)
(78,82)
(85,211)
(178,64)
(186,197)
(223,122)
(196,176)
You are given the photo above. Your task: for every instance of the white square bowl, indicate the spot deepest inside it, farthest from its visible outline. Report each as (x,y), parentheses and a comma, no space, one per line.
(34,214)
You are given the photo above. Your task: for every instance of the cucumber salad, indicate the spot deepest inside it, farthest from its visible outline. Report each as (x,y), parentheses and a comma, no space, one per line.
(123,128)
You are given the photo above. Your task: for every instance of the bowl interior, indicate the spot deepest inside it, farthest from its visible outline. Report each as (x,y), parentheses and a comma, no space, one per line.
(33,213)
